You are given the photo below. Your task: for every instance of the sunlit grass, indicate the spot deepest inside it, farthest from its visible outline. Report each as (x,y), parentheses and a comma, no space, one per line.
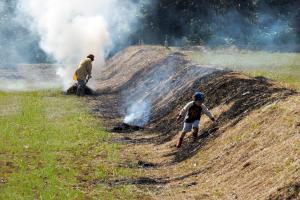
(282,67)
(51,147)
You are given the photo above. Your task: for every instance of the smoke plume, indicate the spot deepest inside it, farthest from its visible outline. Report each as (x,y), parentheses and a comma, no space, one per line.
(156,85)
(71,29)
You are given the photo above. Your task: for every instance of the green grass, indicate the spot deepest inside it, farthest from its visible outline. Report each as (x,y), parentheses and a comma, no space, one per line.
(282,67)
(51,147)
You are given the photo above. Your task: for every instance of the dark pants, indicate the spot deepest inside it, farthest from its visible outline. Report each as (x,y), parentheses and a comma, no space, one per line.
(80,88)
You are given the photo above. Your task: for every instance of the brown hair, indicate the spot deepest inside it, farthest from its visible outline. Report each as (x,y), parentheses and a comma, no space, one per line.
(91,56)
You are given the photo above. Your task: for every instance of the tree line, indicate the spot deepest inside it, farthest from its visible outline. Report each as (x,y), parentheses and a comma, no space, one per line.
(253,23)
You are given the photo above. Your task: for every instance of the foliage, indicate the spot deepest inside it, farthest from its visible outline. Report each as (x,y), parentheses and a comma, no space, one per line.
(260,24)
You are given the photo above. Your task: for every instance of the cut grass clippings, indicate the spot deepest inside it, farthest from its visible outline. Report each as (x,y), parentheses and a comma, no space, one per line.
(51,147)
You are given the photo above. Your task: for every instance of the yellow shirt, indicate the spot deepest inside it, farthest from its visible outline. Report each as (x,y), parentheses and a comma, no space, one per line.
(84,69)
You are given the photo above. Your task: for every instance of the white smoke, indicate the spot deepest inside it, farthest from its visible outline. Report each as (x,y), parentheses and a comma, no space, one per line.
(71,29)
(139,99)
(138,113)
(157,85)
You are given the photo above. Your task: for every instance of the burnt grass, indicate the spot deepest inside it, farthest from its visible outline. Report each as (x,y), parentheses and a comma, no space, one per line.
(224,87)
(288,192)
(125,128)
(73,89)
(243,93)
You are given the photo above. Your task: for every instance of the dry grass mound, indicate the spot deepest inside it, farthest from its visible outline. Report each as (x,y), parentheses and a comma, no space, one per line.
(252,153)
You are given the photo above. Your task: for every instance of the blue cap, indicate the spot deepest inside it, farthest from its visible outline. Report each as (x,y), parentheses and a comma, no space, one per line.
(199,96)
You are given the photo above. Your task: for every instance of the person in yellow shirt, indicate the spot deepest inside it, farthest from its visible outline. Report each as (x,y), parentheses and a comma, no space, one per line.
(83,74)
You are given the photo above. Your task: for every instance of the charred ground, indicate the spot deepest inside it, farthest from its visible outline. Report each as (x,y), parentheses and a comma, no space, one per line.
(251,114)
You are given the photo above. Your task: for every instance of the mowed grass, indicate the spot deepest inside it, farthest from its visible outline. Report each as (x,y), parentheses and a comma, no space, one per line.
(51,147)
(282,67)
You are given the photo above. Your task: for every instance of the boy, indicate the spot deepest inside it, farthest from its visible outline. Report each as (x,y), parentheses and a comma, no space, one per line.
(192,112)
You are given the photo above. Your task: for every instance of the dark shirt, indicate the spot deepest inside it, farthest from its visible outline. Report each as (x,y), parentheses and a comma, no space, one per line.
(193,114)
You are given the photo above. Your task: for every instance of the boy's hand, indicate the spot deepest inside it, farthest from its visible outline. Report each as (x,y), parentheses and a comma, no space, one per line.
(214,120)
(179,117)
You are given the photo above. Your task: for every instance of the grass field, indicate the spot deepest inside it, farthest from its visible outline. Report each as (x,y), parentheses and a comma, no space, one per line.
(51,147)
(282,67)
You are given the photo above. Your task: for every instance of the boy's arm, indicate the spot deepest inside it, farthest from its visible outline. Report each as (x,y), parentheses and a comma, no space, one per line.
(185,109)
(207,112)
